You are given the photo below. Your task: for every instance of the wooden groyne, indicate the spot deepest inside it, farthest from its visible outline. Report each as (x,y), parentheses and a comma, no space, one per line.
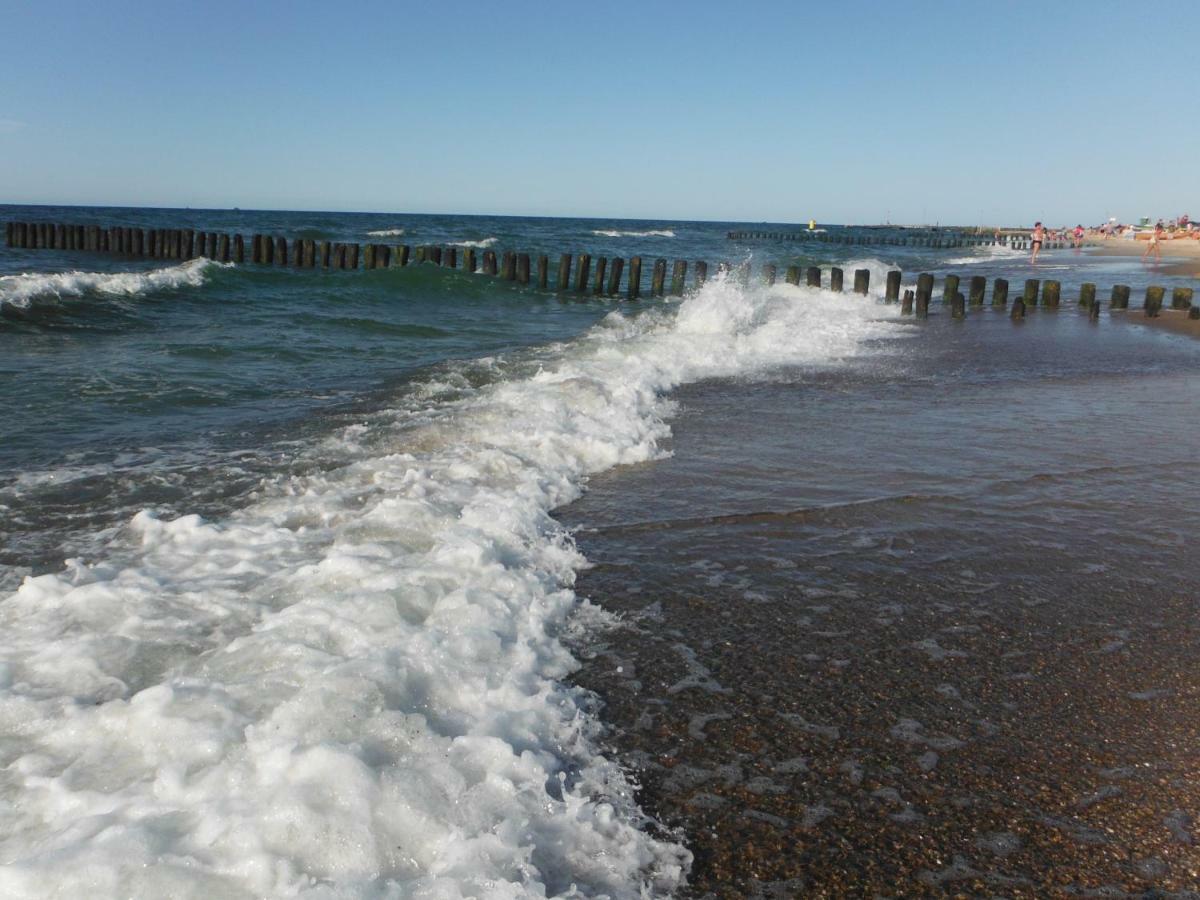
(582,274)
(1013,241)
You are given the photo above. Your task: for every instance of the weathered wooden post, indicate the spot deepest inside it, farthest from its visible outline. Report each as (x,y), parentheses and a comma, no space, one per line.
(614,276)
(564,272)
(1120,297)
(403,251)
(308,253)
(862,281)
(523,268)
(814,276)
(1018,309)
(223,248)
(139,242)
(583,270)
(239,249)
(678,277)
(352,256)
(835,279)
(635,277)
(60,237)
(369,256)
(281,251)
(949,289)
(658,275)
(9,234)
(1087,294)
(892,291)
(906,306)
(1181,298)
(326,254)
(701,275)
(449,257)
(1051,292)
(213,245)
(1154,301)
(793,275)
(508,266)
(401,258)
(339,255)
(256,244)
(422,254)
(543,272)
(769,273)
(924,294)
(151,241)
(1031,291)
(435,255)
(187,244)
(1194,312)
(1000,292)
(977,289)
(958,306)
(598,280)
(489,262)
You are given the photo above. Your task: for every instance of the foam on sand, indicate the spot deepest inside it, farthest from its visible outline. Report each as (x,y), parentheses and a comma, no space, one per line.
(355,686)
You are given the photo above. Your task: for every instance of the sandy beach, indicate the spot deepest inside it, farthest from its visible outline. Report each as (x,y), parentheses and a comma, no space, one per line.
(1173,320)
(1180,256)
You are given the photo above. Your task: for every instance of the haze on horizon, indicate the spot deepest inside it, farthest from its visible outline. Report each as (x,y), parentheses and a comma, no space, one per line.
(855,112)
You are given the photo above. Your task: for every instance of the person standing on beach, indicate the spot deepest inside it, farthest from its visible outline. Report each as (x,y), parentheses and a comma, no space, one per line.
(1153,243)
(1039,235)
(1078,236)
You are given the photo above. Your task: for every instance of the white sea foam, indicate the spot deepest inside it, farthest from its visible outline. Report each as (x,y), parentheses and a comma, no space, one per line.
(23,291)
(665,232)
(987,254)
(486,242)
(386,232)
(354,687)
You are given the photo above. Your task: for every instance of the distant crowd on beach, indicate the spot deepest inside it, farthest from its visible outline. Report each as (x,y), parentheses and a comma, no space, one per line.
(1181,227)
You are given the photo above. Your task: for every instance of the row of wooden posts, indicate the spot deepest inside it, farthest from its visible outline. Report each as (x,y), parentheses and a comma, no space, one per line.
(1014,242)
(582,274)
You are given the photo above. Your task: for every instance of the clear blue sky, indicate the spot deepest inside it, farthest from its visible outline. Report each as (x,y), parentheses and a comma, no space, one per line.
(844,111)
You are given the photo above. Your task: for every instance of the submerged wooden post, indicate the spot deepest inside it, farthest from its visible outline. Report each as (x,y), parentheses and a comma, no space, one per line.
(1181,298)
(614,276)
(564,272)
(543,272)
(958,306)
(339,255)
(1154,301)
(635,277)
(949,289)
(658,276)
(701,273)
(223,248)
(401,253)
(1051,292)
(352,256)
(598,281)
(769,273)
(326,254)
(489,262)
(793,275)
(976,290)
(281,251)
(892,291)
(1087,294)
(1000,292)
(583,270)
(256,244)
(814,276)
(1018,309)
(924,294)
(906,307)
(435,255)
(1120,297)
(308,253)
(862,281)
(239,249)
(678,277)
(835,279)
(523,268)
(368,256)
(508,266)
(1031,291)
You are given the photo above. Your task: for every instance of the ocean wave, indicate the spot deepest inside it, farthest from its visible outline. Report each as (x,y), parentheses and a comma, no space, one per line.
(355,686)
(20,292)
(665,232)
(482,244)
(386,232)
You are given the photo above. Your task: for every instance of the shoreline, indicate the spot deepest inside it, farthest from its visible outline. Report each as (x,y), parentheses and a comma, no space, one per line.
(1179,257)
(1175,321)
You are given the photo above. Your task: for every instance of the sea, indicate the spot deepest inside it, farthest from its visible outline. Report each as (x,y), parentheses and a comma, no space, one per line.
(290,560)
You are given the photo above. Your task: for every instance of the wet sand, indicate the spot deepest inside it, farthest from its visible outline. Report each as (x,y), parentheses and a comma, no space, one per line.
(927,629)
(1175,321)
(1179,257)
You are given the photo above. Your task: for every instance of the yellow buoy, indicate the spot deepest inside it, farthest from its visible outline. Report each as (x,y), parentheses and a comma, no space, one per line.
(812,224)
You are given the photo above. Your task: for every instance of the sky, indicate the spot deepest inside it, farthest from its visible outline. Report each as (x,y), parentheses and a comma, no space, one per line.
(845,111)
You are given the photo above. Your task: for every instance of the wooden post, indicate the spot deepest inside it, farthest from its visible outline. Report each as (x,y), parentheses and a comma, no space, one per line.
(1018,310)
(523,268)
(977,290)
(836,277)
(435,255)
(614,276)
(583,269)
(678,277)
(1087,294)
(892,291)
(598,281)
(769,273)
(564,272)
(1000,292)
(1120,297)
(1031,292)
(543,272)
(469,264)
(489,262)
(1194,312)
(701,273)
(862,281)
(213,245)
(369,256)
(308,250)
(508,266)
(635,278)
(958,306)
(422,254)
(1051,292)
(924,294)
(949,289)
(339,255)
(223,248)
(281,251)
(449,258)
(255,249)
(1181,297)
(151,240)
(239,249)
(139,242)
(325,252)
(658,276)
(793,275)
(1154,301)
(814,276)
(906,306)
